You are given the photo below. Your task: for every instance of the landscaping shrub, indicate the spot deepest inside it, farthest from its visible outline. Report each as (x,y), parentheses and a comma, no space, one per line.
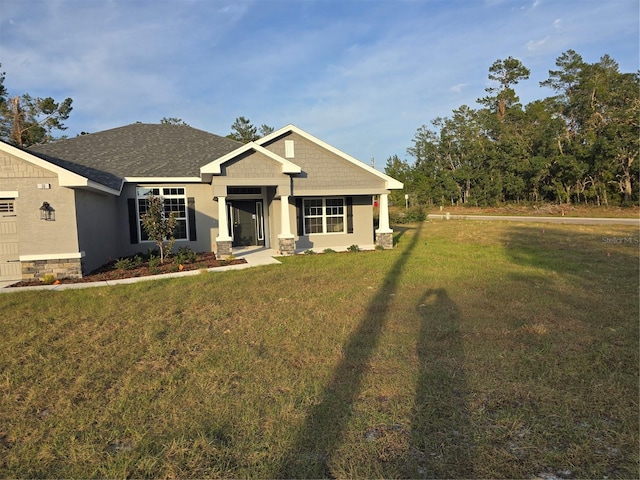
(412,215)
(185,255)
(125,263)
(48,279)
(154,261)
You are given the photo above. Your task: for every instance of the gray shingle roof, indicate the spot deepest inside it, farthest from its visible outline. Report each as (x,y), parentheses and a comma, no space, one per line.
(137,150)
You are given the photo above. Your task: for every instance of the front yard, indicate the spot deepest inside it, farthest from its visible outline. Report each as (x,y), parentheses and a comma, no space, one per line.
(472,350)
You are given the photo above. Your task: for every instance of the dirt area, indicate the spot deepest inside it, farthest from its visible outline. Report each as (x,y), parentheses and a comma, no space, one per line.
(551,210)
(111,272)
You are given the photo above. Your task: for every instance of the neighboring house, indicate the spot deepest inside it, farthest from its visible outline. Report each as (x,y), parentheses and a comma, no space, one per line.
(71,206)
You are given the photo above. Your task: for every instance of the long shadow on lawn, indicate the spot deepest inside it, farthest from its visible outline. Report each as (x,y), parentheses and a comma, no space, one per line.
(441,443)
(322,432)
(568,251)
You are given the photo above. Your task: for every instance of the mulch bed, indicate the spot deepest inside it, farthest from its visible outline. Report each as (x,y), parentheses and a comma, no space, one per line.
(110,272)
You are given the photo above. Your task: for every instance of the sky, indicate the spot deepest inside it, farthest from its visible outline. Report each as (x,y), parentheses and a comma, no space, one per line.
(360,75)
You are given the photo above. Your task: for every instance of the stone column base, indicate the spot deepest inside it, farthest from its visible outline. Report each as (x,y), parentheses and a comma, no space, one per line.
(287,246)
(223,249)
(58,268)
(385,240)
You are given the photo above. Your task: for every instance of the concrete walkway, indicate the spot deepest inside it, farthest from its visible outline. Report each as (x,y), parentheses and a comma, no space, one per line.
(255,256)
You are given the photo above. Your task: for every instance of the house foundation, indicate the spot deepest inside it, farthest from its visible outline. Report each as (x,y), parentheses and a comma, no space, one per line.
(59,268)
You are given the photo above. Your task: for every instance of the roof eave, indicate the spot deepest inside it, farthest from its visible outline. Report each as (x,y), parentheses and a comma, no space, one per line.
(163,179)
(66,178)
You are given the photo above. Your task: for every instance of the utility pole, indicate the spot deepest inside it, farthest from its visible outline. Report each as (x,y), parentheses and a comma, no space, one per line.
(16,127)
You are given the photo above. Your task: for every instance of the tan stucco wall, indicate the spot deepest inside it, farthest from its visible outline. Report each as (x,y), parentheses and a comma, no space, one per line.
(35,236)
(323,172)
(206,218)
(275,223)
(97,228)
(362,235)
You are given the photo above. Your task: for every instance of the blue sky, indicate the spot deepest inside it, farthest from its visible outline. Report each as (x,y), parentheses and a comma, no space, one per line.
(361,75)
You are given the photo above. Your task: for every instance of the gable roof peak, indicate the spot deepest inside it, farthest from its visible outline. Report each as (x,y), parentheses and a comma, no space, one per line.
(391,183)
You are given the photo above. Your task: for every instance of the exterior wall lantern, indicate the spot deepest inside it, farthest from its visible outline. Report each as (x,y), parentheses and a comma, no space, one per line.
(47,212)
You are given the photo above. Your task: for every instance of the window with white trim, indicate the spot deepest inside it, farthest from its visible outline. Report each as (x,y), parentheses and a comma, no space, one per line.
(324,215)
(175,200)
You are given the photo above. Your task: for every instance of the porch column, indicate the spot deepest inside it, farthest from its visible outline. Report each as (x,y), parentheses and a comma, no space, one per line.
(384,234)
(286,240)
(223,240)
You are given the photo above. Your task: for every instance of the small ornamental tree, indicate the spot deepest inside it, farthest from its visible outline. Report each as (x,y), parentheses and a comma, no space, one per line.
(159,226)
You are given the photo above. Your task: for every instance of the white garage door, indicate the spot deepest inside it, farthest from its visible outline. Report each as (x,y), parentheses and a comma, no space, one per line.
(10,268)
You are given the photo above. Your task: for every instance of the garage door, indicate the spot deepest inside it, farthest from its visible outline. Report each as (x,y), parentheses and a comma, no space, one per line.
(10,268)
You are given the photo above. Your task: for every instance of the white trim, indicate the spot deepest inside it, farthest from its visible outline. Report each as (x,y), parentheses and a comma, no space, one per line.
(223,221)
(66,178)
(215,166)
(347,192)
(102,188)
(8,194)
(260,220)
(324,216)
(391,183)
(51,256)
(163,196)
(163,179)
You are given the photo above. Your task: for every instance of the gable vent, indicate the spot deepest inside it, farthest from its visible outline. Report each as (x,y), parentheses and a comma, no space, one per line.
(288,149)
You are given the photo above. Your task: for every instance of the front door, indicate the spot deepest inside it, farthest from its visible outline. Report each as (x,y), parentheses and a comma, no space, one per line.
(248,223)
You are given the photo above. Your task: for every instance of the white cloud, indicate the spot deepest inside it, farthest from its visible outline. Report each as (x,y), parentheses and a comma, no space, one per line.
(363,77)
(533,45)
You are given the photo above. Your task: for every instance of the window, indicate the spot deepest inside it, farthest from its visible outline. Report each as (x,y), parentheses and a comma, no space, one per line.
(244,190)
(175,201)
(324,215)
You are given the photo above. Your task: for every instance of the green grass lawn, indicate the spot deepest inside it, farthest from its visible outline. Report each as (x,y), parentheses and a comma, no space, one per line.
(472,350)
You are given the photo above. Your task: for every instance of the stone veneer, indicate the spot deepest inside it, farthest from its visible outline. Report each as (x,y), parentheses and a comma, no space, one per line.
(385,240)
(287,246)
(59,268)
(223,249)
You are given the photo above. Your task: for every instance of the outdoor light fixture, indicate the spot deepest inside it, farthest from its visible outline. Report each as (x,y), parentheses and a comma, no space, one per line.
(47,212)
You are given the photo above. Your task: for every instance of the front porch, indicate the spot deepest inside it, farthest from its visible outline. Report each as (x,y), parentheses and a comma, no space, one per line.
(282,214)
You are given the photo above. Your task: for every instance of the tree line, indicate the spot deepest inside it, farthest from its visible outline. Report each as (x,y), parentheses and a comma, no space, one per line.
(580,145)
(27,120)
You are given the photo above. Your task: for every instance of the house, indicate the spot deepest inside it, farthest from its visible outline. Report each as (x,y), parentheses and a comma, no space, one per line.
(71,206)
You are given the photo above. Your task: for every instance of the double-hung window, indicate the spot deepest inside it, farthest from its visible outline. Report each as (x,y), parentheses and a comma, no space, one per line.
(324,215)
(175,201)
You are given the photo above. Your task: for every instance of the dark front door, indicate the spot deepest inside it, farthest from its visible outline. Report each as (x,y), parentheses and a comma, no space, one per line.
(248,226)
